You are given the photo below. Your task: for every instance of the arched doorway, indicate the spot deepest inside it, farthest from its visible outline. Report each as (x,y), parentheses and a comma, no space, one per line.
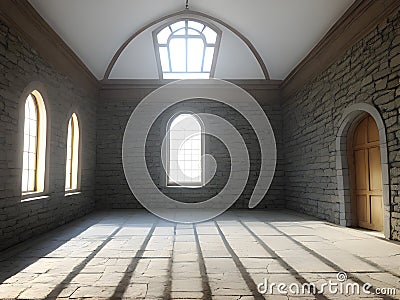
(365,172)
(352,116)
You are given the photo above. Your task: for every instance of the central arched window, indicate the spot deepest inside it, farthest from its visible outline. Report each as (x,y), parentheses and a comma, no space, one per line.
(186,49)
(185,151)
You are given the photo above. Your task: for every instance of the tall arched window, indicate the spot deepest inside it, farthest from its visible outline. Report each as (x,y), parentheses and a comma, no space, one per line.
(34,151)
(186,49)
(72,166)
(185,151)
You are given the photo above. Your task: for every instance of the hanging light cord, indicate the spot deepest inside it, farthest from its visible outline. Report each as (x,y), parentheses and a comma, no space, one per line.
(187,4)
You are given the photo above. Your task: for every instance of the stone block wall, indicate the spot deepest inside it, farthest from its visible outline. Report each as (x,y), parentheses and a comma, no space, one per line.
(21,65)
(369,72)
(114,110)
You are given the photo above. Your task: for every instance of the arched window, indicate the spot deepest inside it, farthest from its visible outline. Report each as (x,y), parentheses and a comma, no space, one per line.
(72,168)
(34,151)
(186,49)
(185,151)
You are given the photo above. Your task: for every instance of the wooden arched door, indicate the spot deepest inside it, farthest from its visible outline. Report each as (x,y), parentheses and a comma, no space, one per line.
(366,175)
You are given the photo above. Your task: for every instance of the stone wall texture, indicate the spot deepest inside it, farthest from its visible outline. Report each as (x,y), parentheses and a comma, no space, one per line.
(112,190)
(20,65)
(368,72)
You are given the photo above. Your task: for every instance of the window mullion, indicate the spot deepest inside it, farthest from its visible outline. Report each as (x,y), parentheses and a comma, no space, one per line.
(169,58)
(204,55)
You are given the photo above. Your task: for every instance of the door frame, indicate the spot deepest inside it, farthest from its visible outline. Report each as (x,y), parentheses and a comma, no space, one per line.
(350,116)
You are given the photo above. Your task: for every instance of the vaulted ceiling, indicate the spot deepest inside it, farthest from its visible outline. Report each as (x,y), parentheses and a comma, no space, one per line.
(282,31)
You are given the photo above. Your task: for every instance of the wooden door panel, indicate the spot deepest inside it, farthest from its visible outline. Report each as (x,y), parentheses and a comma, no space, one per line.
(360,135)
(362,209)
(361,169)
(376,212)
(373,132)
(375,169)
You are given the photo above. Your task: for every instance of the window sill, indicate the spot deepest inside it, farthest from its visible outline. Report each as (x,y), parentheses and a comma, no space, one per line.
(72,193)
(185,186)
(33,197)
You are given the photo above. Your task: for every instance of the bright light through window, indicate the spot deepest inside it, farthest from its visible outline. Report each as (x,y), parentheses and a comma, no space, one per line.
(185,151)
(34,150)
(30,145)
(71,178)
(186,50)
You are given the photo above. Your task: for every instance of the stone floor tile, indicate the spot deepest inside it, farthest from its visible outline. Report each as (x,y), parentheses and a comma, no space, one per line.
(93,292)
(187,285)
(135,291)
(12,291)
(68,290)
(37,291)
(171,261)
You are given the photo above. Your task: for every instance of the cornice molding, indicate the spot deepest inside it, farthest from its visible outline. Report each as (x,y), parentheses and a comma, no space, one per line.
(358,21)
(116,84)
(267,92)
(21,16)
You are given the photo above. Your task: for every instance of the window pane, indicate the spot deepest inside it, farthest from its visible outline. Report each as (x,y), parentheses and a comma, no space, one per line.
(195,54)
(177,25)
(193,32)
(164,59)
(24,185)
(26,142)
(32,144)
(211,35)
(163,35)
(177,49)
(180,32)
(31,181)
(25,160)
(26,125)
(208,58)
(32,127)
(177,123)
(195,25)
(32,161)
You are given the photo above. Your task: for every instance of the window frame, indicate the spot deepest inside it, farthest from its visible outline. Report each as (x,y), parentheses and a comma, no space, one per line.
(36,147)
(42,146)
(75,154)
(166,153)
(186,19)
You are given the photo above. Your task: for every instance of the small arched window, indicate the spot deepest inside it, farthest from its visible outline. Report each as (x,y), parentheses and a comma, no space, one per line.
(186,49)
(34,151)
(72,166)
(185,151)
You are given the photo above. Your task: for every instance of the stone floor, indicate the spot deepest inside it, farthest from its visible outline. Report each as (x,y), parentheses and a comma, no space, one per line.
(134,255)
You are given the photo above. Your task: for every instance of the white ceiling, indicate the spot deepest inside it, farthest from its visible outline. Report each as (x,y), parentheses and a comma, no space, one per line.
(282,31)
